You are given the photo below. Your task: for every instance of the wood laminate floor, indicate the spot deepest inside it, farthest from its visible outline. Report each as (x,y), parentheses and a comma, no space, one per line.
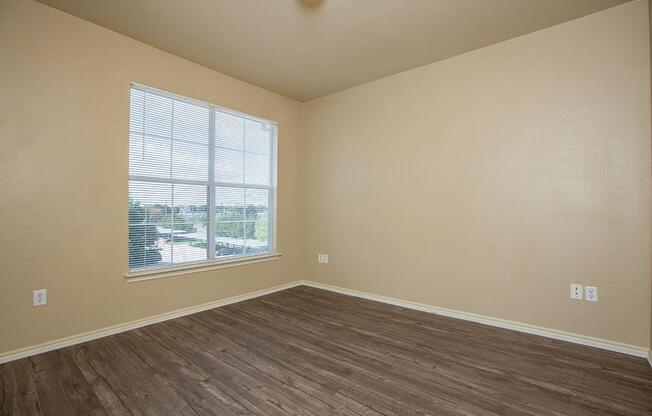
(304,351)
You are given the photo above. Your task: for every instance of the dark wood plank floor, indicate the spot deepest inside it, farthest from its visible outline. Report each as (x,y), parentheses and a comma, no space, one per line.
(305,351)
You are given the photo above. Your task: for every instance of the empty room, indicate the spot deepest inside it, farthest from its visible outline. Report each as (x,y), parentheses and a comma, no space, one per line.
(325,207)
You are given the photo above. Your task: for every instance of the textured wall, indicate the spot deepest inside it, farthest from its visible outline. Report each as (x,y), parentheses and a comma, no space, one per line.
(64,116)
(490,181)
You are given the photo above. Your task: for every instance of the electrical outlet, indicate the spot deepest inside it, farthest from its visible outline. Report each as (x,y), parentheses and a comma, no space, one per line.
(40,297)
(322,258)
(576,291)
(591,293)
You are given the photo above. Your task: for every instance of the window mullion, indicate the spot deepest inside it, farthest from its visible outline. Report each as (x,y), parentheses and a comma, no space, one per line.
(244,190)
(172,186)
(271,206)
(211,185)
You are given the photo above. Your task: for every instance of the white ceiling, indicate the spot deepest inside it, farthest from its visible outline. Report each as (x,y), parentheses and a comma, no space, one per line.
(305,52)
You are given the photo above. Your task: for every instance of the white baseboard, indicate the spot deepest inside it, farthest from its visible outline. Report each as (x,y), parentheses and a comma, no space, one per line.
(501,323)
(100,333)
(497,322)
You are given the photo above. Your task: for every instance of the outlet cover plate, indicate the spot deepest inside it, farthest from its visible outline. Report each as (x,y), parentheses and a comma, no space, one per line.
(576,291)
(40,297)
(591,293)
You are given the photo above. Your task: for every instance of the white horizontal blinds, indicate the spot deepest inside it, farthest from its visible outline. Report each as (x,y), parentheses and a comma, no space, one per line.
(257,221)
(168,138)
(243,149)
(257,153)
(148,203)
(229,221)
(229,148)
(190,142)
(190,184)
(150,146)
(168,147)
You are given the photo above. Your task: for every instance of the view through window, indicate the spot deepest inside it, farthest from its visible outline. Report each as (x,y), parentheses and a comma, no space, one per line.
(201,181)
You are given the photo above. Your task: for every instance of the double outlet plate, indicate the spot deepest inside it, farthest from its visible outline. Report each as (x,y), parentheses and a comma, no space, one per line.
(580,292)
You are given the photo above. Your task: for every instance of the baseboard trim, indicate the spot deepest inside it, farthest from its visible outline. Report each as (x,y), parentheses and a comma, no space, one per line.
(115,329)
(497,322)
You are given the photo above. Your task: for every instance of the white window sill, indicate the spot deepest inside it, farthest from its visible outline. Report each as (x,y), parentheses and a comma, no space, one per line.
(161,272)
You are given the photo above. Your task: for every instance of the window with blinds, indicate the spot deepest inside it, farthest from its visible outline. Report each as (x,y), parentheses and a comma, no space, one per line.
(201,181)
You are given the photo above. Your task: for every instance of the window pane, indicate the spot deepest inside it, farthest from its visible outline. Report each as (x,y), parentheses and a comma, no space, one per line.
(149,203)
(256,169)
(157,116)
(257,224)
(229,203)
(257,203)
(257,242)
(143,246)
(257,137)
(257,147)
(229,221)
(167,223)
(190,122)
(229,131)
(149,156)
(136,111)
(189,161)
(229,166)
(187,225)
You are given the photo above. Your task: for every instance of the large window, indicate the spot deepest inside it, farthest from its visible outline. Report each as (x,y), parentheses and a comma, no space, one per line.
(201,182)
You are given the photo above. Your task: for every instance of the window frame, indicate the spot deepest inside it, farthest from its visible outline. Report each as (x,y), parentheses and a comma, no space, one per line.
(212,261)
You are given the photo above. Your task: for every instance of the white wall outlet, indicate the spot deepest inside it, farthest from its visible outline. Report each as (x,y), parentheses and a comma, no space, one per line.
(322,258)
(576,291)
(40,297)
(591,293)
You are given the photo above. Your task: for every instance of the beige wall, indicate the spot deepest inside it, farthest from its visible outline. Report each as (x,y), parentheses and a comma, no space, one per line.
(490,181)
(64,85)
